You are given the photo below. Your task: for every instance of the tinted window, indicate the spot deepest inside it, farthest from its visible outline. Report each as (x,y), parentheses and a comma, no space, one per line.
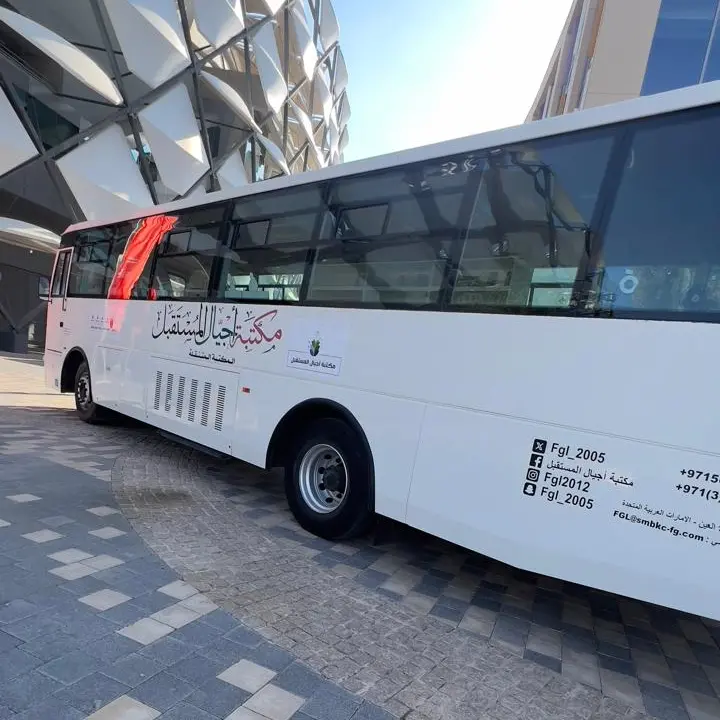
(43,287)
(184,263)
(278,203)
(89,264)
(394,232)
(96,256)
(529,230)
(262,274)
(679,45)
(61,272)
(269,244)
(661,246)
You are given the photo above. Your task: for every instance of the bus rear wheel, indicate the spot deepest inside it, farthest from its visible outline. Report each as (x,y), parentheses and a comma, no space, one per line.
(328,481)
(86,408)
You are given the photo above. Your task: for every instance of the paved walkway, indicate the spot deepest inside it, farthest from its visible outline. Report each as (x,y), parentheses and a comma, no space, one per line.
(92,623)
(419,627)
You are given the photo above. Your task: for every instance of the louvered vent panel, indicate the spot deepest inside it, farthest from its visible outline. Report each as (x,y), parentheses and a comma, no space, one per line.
(168,392)
(193,400)
(220,409)
(180,397)
(158,385)
(206,404)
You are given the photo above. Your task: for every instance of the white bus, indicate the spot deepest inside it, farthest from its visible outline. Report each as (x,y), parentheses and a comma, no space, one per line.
(509,341)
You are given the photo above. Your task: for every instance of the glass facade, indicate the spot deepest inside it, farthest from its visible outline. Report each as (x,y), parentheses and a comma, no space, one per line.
(685,49)
(176,97)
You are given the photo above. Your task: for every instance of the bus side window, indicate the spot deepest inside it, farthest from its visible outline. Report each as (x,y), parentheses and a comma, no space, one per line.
(269,243)
(184,263)
(661,250)
(527,235)
(60,277)
(89,265)
(393,235)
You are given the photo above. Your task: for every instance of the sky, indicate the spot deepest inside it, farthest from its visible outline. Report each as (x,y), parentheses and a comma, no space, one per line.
(423,71)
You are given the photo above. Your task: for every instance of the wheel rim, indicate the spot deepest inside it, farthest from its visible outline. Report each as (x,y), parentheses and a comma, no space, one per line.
(323,479)
(82,391)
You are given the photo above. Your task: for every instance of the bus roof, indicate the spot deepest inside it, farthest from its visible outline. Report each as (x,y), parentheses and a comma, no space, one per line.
(674,100)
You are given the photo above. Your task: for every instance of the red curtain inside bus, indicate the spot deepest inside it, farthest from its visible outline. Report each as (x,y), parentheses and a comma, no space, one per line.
(148,234)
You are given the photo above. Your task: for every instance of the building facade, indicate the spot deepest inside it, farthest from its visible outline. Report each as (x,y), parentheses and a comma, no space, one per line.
(613,50)
(110,105)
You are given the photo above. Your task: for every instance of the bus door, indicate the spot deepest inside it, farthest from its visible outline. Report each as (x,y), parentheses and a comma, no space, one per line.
(57,332)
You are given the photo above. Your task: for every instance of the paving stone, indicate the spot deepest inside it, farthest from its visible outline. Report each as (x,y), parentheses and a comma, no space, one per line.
(167,651)
(196,669)
(72,667)
(48,647)
(178,589)
(299,679)
(124,614)
(125,708)
(197,634)
(247,675)
(133,669)
(331,704)
(152,601)
(23,498)
(223,621)
(42,536)
(243,636)
(7,642)
(146,631)
(50,709)
(199,603)
(176,616)
(103,511)
(73,555)
(73,571)
(16,662)
(32,627)
(16,610)
(183,711)
(372,712)
(243,713)
(275,703)
(92,692)
(268,655)
(111,648)
(57,521)
(103,562)
(104,599)
(218,698)
(83,624)
(161,691)
(107,533)
(28,689)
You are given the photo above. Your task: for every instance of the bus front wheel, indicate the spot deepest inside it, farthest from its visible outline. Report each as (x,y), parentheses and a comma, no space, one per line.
(86,408)
(328,481)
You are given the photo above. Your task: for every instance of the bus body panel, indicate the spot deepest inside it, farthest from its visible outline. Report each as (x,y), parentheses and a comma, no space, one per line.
(620,524)
(457,404)
(391,425)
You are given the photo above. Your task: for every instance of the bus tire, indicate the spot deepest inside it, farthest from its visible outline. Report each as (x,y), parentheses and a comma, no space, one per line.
(328,481)
(86,408)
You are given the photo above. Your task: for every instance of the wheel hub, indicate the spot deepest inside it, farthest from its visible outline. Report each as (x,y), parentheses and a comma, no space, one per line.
(83,391)
(323,479)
